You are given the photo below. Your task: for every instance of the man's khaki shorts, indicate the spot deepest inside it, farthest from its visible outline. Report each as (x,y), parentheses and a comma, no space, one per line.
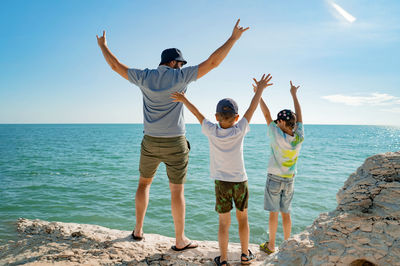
(173,152)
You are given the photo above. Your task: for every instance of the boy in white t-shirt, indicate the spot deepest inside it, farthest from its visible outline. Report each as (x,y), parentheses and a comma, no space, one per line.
(227,165)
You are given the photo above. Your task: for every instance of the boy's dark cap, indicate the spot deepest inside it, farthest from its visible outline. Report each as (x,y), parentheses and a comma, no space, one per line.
(172,54)
(285,115)
(227,105)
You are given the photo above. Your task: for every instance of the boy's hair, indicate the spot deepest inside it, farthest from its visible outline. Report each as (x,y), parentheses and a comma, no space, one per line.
(226,115)
(288,117)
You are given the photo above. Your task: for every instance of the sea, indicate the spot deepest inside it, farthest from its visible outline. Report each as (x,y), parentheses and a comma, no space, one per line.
(88,173)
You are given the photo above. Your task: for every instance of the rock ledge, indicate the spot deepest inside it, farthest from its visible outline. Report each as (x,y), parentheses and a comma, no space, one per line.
(45,243)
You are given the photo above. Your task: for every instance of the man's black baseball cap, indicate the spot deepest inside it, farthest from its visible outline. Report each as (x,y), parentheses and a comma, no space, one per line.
(172,54)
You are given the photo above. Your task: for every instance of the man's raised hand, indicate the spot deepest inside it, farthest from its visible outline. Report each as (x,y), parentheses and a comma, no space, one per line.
(237,31)
(102,40)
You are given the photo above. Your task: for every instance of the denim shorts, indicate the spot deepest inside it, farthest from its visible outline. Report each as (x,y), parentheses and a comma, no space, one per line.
(278,194)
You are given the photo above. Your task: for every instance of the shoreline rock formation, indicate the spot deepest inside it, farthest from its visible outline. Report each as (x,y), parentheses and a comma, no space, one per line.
(364,229)
(45,243)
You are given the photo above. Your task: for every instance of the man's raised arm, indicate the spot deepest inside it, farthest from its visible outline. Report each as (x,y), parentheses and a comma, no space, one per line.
(110,58)
(219,55)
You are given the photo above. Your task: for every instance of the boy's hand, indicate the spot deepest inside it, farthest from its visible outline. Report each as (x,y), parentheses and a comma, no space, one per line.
(293,89)
(237,31)
(178,97)
(101,41)
(262,83)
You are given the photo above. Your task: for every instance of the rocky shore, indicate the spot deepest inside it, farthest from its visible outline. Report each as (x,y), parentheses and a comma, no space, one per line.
(364,229)
(45,243)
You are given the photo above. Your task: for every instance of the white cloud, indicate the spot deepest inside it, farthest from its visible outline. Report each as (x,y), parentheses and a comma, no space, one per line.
(392,110)
(346,15)
(375,99)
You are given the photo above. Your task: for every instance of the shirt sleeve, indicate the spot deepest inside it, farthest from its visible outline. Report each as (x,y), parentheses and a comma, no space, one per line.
(207,127)
(299,132)
(272,131)
(243,124)
(136,76)
(189,74)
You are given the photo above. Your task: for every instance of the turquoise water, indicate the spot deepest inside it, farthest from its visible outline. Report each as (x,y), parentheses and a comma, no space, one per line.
(89,173)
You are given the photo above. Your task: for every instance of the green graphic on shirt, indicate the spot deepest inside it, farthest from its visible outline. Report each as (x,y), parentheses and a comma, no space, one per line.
(289,163)
(289,153)
(297,140)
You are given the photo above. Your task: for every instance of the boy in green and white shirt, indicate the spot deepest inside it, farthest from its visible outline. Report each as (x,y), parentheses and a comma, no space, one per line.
(286,135)
(285,148)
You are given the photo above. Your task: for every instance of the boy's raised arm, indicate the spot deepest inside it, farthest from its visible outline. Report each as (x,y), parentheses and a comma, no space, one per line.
(180,97)
(297,109)
(266,112)
(260,86)
(264,108)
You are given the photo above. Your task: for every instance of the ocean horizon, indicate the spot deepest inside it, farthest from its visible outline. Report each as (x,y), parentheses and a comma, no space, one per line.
(88,173)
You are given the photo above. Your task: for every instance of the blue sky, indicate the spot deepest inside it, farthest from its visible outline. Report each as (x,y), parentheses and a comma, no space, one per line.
(52,71)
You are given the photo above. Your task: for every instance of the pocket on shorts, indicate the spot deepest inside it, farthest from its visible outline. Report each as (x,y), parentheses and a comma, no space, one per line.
(274,187)
(188,144)
(145,147)
(289,189)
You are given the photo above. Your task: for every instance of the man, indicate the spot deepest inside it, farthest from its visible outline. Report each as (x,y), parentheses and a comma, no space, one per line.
(164,127)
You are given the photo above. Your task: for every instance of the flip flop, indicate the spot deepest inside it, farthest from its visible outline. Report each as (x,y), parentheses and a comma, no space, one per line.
(264,247)
(188,246)
(137,238)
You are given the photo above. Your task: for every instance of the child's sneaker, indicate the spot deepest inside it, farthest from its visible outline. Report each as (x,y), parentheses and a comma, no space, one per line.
(264,247)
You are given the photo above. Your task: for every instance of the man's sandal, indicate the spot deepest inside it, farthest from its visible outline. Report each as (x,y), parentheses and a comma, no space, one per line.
(247,259)
(137,238)
(264,247)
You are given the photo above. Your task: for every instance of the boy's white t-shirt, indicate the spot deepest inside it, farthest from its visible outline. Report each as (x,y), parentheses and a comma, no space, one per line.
(226,150)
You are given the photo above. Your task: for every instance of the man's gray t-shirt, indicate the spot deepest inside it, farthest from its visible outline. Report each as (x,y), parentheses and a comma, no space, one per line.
(161,116)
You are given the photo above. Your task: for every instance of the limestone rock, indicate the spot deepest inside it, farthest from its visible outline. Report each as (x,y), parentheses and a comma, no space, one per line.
(48,243)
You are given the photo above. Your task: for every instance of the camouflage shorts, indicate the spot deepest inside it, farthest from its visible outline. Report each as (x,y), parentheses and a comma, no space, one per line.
(225,192)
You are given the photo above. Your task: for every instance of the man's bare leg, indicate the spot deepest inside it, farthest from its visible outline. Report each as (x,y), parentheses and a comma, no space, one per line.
(223,234)
(286,224)
(178,214)
(141,202)
(244,230)
(273,227)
